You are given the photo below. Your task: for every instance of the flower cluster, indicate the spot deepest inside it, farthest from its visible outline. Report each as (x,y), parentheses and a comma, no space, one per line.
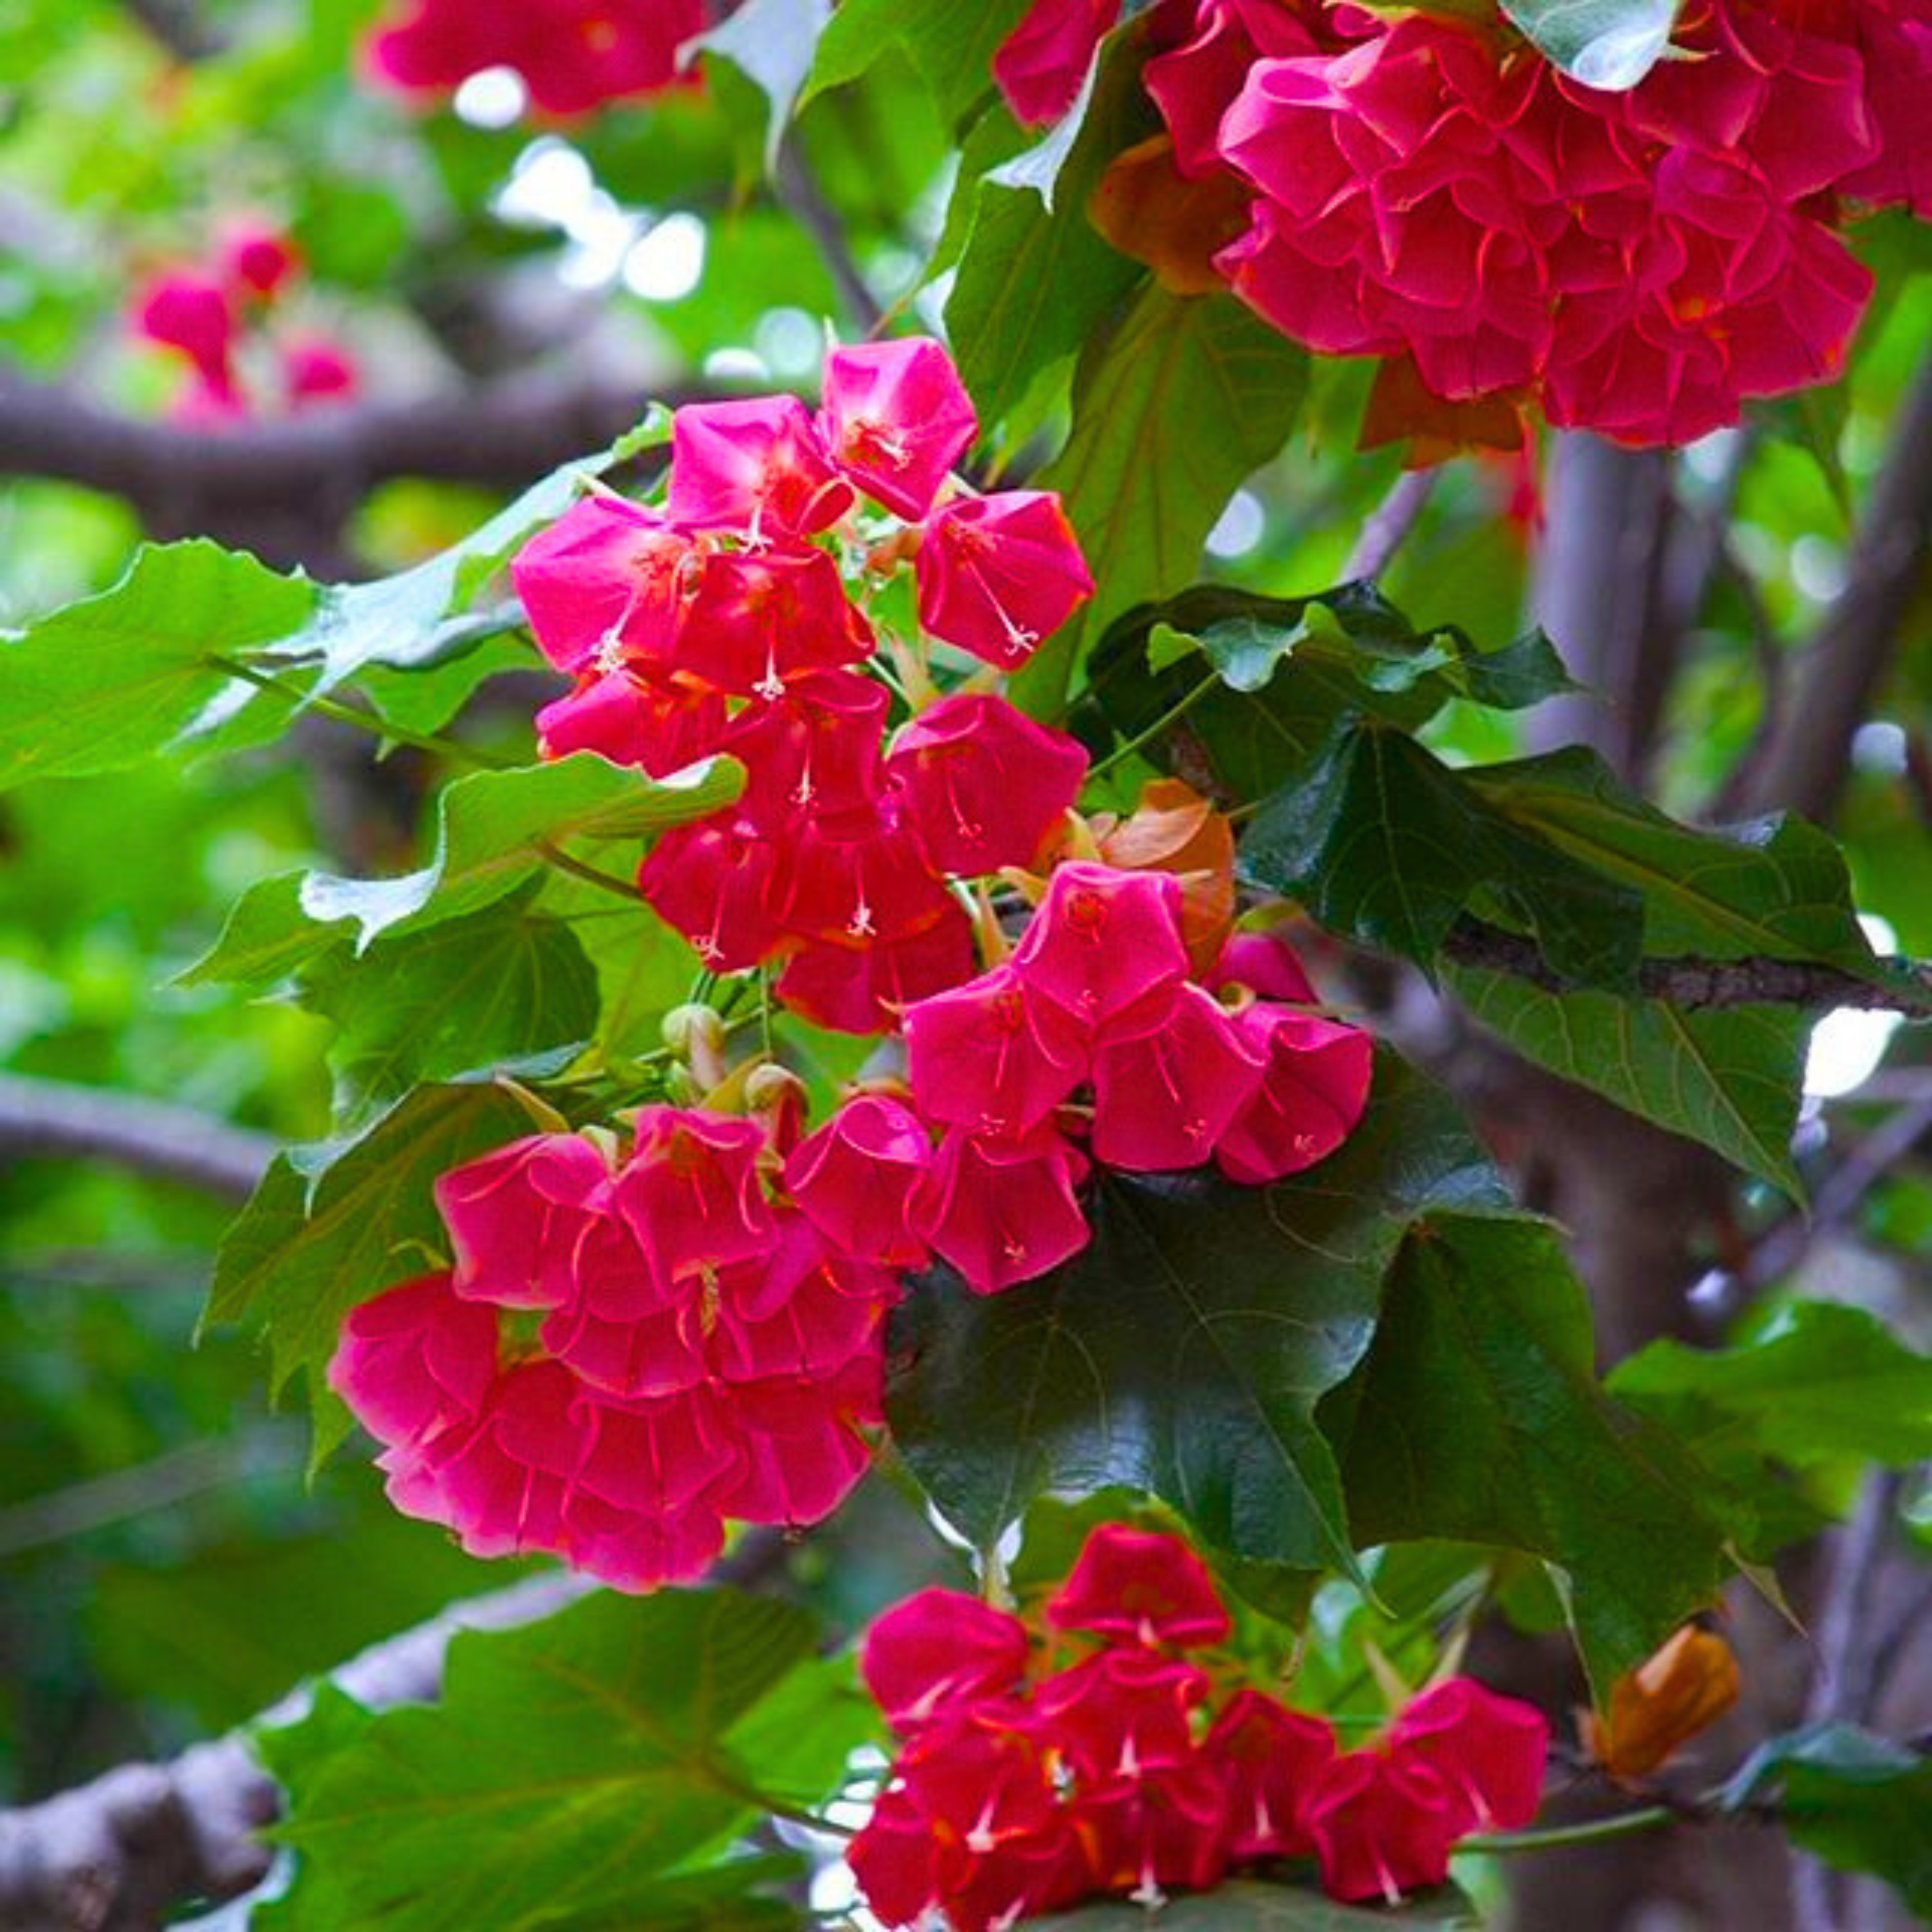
(573,55)
(625,1353)
(1019,1791)
(1096,1026)
(722,621)
(1638,261)
(212,317)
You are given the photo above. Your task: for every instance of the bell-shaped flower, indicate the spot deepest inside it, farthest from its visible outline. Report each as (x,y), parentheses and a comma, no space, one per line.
(1139,1586)
(799,1436)
(1265,963)
(415,1363)
(855,1178)
(896,1861)
(1168,1828)
(1381,1827)
(1003,1210)
(255,259)
(1105,946)
(713,880)
(812,752)
(515,1217)
(1122,1712)
(657,1458)
(996,574)
(833,1316)
(691,1192)
(864,884)
(758,467)
(983,1779)
(1313,1089)
(1040,65)
(659,725)
(187,311)
(1164,1100)
(652,1350)
(317,369)
(1489,1751)
(983,784)
(940,1647)
(640,1550)
(751,624)
(867,987)
(896,418)
(602,585)
(992,1055)
(1272,1760)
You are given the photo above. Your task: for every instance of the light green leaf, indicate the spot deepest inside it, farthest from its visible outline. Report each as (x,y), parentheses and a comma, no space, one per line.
(1610,44)
(950,42)
(1729,1078)
(773,44)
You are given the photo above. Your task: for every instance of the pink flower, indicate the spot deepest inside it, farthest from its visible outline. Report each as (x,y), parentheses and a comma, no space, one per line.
(1489,1751)
(415,1363)
(1264,963)
(1123,1712)
(1105,946)
(983,784)
(997,573)
(896,418)
(712,880)
(659,725)
(937,1648)
(803,1453)
(992,1055)
(1169,1828)
(1165,1099)
(257,259)
(316,370)
(1272,1760)
(516,1216)
(601,586)
(1314,1087)
(690,1191)
(758,467)
(1140,1586)
(1003,1210)
(812,752)
(866,988)
(189,311)
(751,624)
(1380,1827)
(896,1860)
(1041,65)
(856,1177)
(854,883)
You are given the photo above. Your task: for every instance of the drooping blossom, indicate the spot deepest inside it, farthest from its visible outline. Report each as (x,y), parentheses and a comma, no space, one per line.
(937,1648)
(1487,1751)
(1381,1826)
(1139,1586)
(998,574)
(895,417)
(1040,65)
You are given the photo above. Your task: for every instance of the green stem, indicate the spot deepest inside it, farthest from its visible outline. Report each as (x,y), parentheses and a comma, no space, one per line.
(362,721)
(1172,716)
(1626,1825)
(609,882)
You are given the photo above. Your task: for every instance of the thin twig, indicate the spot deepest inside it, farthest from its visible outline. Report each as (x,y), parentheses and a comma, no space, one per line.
(1388,525)
(796,188)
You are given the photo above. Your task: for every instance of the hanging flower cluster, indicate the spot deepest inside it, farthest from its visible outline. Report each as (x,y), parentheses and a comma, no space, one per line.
(625,1353)
(573,55)
(722,622)
(212,316)
(1019,1790)
(1638,262)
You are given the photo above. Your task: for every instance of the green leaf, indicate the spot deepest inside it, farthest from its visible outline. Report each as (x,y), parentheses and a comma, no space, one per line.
(950,42)
(773,44)
(491,828)
(1173,410)
(1248,1905)
(1383,841)
(1182,1352)
(1858,1802)
(426,697)
(592,1769)
(1476,1417)
(330,1226)
(102,685)
(1609,44)
(469,994)
(1821,1381)
(1730,1079)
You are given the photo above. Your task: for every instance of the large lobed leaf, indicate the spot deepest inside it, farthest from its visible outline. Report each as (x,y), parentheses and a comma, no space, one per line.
(1183,1352)
(590,1770)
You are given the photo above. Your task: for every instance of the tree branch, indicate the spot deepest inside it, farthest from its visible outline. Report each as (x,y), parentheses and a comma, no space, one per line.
(1692,985)
(44,1119)
(113,1855)
(1386,527)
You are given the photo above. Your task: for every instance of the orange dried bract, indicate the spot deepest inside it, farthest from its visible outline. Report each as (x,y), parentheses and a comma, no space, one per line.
(1175,829)
(1680,1689)
(1147,208)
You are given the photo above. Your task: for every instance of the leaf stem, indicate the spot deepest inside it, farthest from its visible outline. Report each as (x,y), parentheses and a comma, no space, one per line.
(371,722)
(1625,1824)
(555,855)
(1172,715)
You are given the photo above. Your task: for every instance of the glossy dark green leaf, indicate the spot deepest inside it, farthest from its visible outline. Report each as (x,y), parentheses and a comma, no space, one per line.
(1728,1078)
(1610,44)
(1821,1380)
(1183,1352)
(592,1769)
(1858,1802)
(1173,410)
(467,993)
(1476,1416)
(1248,1905)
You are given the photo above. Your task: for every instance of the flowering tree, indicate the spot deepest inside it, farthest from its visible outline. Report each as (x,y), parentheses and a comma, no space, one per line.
(944,1014)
